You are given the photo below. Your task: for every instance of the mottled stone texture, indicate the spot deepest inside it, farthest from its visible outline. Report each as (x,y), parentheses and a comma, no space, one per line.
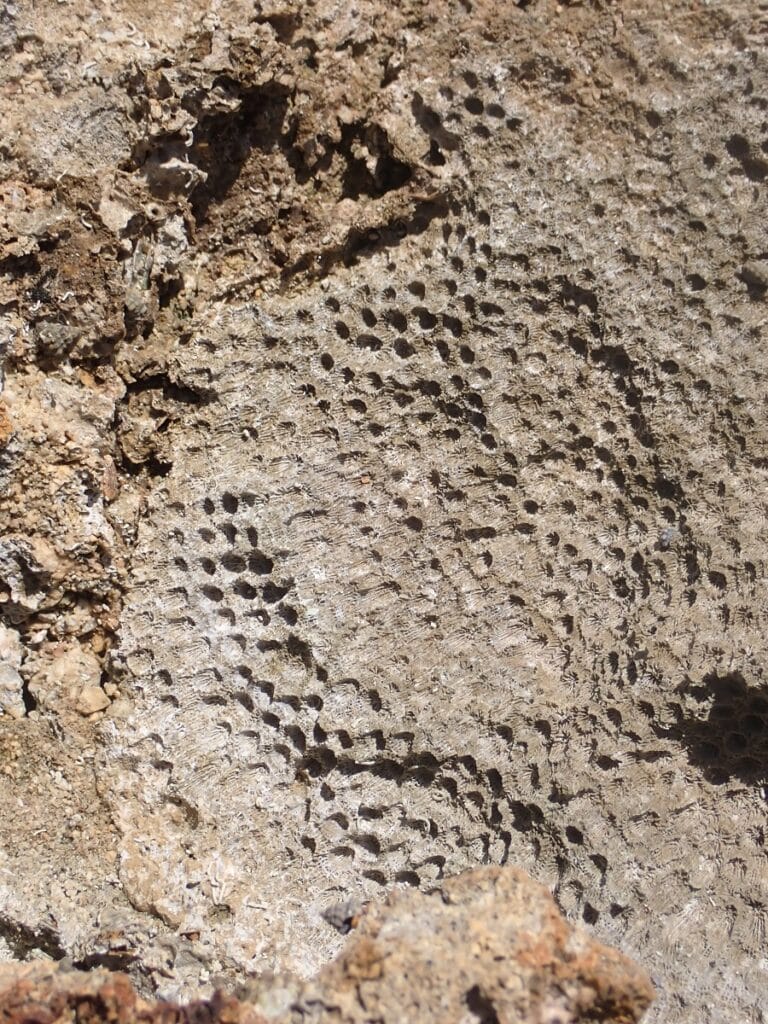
(488,946)
(44,994)
(383,477)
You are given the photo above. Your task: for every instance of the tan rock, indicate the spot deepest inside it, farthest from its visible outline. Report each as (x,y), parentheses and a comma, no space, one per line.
(360,414)
(91,699)
(11,694)
(45,993)
(488,945)
(68,677)
(11,649)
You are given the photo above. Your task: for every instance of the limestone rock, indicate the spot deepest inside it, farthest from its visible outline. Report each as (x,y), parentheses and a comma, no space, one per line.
(11,691)
(69,679)
(11,682)
(383,393)
(91,699)
(489,945)
(46,994)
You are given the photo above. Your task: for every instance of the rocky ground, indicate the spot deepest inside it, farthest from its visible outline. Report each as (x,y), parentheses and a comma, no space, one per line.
(383,477)
(523,964)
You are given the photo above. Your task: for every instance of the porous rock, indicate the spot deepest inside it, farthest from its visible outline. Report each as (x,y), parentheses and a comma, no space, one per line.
(489,945)
(42,993)
(68,678)
(11,692)
(11,682)
(383,417)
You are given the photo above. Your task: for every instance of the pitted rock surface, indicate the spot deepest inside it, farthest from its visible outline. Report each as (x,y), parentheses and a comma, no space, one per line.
(427,526)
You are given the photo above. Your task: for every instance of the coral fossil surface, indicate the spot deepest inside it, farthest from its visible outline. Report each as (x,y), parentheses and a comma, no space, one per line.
(384,477)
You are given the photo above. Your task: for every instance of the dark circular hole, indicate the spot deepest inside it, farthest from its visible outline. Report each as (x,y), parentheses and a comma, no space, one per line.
(229,503)
(753,725)
(736,742)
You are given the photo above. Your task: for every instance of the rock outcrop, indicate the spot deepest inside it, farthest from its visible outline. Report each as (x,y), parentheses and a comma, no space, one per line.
(44,994)
(488,946)
(382,477)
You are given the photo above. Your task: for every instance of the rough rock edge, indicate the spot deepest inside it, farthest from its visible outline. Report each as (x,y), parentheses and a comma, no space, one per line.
(520,961)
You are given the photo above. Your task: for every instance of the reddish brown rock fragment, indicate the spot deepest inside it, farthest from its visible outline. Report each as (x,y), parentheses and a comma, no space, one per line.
(490,942)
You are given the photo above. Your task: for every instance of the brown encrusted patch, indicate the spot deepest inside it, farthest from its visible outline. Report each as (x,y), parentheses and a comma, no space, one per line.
(41,994)
(491,938)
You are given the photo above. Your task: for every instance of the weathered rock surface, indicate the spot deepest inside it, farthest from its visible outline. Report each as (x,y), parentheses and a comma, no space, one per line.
(382,476)
(44,994)
(487,946)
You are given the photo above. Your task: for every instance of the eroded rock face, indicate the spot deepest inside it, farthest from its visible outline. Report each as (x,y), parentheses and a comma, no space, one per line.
(46,994)
(488,945)
(383,476)
(518,963)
